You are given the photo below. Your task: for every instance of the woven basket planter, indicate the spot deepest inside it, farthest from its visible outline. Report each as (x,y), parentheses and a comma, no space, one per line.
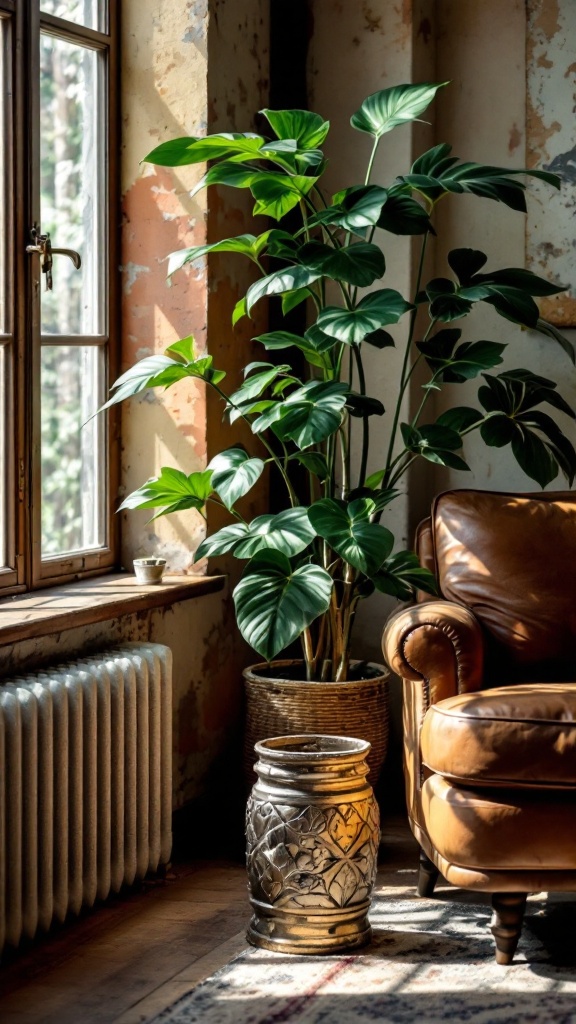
(282,707)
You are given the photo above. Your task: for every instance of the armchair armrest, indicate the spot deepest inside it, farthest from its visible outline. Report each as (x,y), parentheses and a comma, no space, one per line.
(439,643)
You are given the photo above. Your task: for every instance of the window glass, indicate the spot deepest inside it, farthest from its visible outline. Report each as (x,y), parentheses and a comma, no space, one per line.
(4,150)
(3,459)
(6,319)
(90,13)
(73,479)
(70,162)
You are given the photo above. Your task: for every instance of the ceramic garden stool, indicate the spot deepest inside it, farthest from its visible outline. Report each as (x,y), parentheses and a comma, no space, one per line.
(313,831)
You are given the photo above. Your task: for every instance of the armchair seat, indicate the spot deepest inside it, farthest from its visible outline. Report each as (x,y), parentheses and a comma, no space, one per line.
(522,735)
(493,830)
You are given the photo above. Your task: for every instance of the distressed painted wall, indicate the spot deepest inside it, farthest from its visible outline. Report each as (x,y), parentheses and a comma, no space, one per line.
(488,113)
(551,86)
(164,95)
(238,87)
(189,68)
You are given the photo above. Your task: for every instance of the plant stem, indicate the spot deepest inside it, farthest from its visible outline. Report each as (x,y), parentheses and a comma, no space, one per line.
(305,219)
(404,378)
(401,469)
(365,425)
(345,459)
(371,161)
(308,654)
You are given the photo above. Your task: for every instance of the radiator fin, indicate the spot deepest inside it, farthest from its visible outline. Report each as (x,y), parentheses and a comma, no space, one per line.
(85,783)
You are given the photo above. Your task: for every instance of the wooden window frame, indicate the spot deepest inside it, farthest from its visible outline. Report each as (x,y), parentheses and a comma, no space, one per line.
(27,570)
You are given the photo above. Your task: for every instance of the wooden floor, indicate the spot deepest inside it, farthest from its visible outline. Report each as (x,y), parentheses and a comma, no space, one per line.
(126,961)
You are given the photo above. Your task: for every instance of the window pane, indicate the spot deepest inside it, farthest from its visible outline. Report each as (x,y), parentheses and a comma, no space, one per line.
(70,173)
(91,13)
(3,453)
(73,480)
(4,150)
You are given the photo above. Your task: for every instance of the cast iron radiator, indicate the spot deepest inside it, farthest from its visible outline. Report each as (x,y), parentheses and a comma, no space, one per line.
(85,783)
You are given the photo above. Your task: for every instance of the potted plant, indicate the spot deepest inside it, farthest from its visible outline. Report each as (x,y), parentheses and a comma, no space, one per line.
(309,565)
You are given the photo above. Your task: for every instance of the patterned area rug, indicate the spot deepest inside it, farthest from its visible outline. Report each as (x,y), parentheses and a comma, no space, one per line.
(430,961)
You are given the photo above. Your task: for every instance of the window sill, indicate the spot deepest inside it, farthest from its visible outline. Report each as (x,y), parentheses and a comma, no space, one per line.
(41,613)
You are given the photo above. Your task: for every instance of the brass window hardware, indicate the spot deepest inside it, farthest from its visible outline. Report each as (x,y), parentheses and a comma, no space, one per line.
(42,245)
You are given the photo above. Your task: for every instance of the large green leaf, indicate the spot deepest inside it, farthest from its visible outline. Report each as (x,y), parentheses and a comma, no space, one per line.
(460,418)
(276,194)
(364,405)
(534,456)
(275,603)
(402,574)
(308,129)
(435,172)
(289,532)
(247,245)
(294,298)
(285,280)
(467,262)
(435,442)
(402,215)
(308,416)
(388,108)
(348,530)
(359,264)
(162,371)
(456,364)
(285,339)
(172,491)
(320,341)
(226,172)
(234,473)
(221,542)
(179,152)
(538,444)
(314,462)
(256,384)
(384,306)
(497,431)
(509,290)
(354,209)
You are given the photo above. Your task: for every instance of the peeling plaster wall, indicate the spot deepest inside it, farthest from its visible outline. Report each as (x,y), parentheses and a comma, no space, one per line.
(206,693)
(238,87)
(189,69)
(482,113)
(508,110)
(551,81)
(164,95)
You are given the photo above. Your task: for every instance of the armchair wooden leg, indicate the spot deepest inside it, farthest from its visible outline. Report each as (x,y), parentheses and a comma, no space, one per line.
(427,875)
(506,925)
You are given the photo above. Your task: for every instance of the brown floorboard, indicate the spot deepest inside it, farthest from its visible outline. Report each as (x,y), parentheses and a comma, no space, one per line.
(125,961)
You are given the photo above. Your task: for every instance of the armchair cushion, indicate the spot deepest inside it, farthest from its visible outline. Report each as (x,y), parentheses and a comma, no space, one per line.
(522,735)
(501,829)
(509,558)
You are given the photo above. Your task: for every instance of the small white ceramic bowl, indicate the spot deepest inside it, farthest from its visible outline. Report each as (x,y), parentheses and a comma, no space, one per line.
(149,570)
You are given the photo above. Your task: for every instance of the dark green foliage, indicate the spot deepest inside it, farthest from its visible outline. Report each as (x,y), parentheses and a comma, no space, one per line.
(310,565)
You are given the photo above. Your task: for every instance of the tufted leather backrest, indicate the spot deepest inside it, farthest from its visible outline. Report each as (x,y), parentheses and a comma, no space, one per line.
(511,559)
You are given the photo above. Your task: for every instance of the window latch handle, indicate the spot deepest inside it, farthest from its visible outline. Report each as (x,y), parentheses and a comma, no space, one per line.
(42,245)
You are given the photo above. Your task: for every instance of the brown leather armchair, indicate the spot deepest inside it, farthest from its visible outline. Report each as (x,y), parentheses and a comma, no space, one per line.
(489,675)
